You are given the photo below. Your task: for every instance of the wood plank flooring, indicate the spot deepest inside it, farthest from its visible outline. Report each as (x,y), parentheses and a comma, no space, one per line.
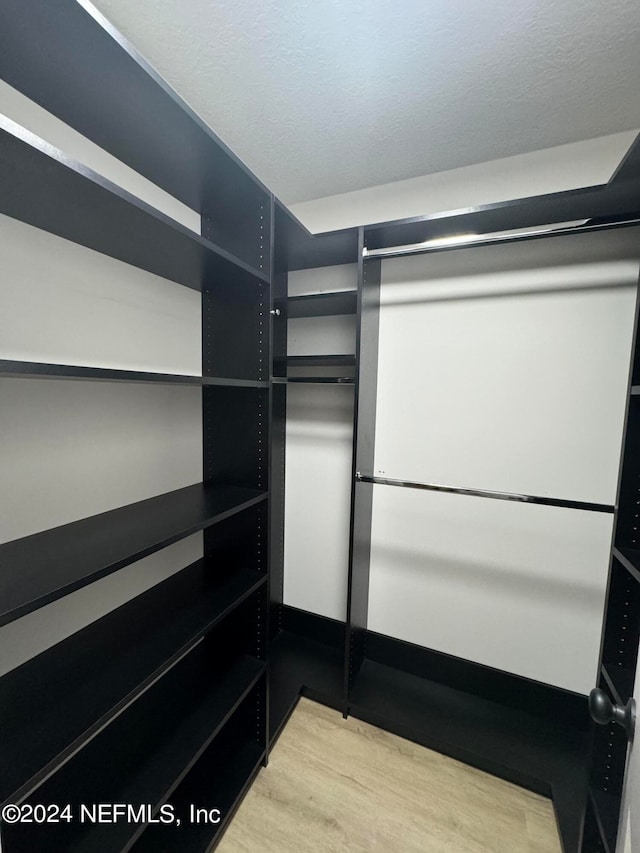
(344,785)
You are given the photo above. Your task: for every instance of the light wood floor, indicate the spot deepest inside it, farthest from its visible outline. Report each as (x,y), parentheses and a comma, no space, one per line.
(343,785)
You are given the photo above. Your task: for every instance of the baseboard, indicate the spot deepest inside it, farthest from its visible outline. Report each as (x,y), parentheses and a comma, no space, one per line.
(505,688)
(320,629)
(532,734)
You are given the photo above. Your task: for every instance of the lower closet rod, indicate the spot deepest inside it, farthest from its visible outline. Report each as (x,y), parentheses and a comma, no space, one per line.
(483,493)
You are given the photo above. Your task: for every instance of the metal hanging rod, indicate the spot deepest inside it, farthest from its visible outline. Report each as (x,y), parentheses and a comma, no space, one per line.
(468,241)
(484,493)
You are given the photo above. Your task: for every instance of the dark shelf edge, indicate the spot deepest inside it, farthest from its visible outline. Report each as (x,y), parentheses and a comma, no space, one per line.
(41,370)
(635,390)
(14,613)
(276,731)
(331,304)
(222,827)
(218,830)
(340,355)
(39,147)
(626,563)
(313,380)
(220,723)
(611,685)
(52,766)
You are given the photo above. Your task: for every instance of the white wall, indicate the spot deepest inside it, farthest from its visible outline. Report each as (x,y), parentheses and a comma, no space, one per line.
(516,587)
(564,167)
(65,304)
(70,449)
(512,379)
(502,368)
(319,438)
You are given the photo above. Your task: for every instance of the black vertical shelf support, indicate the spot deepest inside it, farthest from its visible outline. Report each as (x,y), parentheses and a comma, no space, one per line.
(620,634)
(364,420)
(236,344)
(278,450)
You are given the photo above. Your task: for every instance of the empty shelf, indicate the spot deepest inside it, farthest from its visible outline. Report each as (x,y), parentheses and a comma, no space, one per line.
(137,117)
(319,305)
(40,568)
(219,780)
(56,701)
(44,188)
(40,370)
(314,380)
(144,754)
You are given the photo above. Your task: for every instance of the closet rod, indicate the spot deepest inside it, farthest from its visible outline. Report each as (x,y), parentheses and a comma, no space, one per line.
(484,493)
(469,241)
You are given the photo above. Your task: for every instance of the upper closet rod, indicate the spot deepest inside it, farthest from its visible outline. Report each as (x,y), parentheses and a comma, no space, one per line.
(459,241)
(484,493)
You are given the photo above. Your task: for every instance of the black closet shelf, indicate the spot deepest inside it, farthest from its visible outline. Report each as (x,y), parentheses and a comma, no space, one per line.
(635,390)
(144,756)
(40,370)
(342,360)
(47,189)
(43,567)
(629,558)
(223,777)
(606,808)
(314,380)
(79,685)
(137,117)
(319,304)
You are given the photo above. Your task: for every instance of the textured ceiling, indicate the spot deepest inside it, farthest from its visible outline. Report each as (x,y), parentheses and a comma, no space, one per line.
(325,96)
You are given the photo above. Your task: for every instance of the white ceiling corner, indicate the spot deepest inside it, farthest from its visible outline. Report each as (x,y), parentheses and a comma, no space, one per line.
(321,97)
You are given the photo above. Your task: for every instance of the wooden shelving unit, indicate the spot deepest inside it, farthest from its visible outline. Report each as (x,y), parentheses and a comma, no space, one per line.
(170,688)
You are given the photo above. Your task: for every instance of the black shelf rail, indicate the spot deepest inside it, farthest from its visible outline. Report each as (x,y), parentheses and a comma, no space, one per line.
(314,380)
(41,370)
(341,360)
(319,304)
(81,684)
(144,755)
(45,188)
(43,567)
(485,493)
(600,204)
